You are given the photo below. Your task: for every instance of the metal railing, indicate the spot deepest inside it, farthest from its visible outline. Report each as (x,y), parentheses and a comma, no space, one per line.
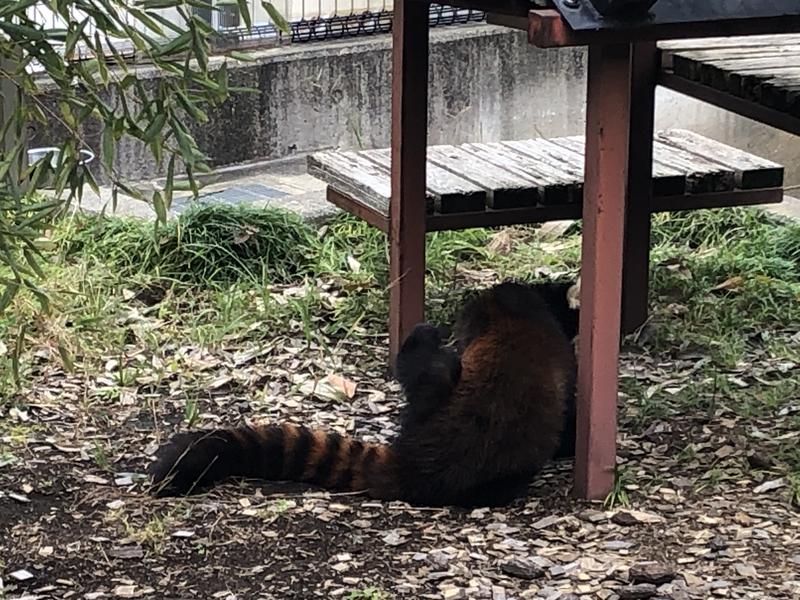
(310,20)
(319,20)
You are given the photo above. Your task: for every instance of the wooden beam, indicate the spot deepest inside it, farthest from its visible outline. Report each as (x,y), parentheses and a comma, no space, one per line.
(408,189)
(605,191)
(548,29)
(636,264)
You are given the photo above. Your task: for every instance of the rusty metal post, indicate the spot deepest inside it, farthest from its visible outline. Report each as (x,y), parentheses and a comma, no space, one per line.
(636,263)
(605,188)
(409,143)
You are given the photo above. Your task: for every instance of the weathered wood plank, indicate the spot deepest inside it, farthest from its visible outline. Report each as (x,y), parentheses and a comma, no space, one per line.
(750,171)
(357,177)
(729,74)
(692,61)
(738,52)
(559,163)
(750,82)
(780,94)
(734,73)
(742,70)
(699,175)
(554,185)
(755,68)
(745,83)
(667,180)
(506,189)
(702,175)
(346,172)
(451,193)
(749,41)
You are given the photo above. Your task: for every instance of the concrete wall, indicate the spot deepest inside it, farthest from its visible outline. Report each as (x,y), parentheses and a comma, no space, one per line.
(486,84)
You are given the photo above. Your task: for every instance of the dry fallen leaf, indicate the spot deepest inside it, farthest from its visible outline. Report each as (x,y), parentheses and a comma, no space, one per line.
(22,575)
(334,388)
(768,486)
(344,385)
(732,284)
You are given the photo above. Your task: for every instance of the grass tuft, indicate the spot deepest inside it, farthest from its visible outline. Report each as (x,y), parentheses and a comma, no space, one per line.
(206,244)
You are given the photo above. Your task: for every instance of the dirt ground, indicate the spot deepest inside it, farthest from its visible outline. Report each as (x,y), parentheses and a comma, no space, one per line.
(707,514)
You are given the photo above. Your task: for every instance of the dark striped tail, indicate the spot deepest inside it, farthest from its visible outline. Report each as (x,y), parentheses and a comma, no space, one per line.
(194,461)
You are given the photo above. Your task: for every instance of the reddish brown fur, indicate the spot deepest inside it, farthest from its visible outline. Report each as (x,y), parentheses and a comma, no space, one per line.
(478,427)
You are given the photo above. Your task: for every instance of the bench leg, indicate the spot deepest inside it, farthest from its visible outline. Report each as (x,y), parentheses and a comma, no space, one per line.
(636,263)
(409,142)
(606,180)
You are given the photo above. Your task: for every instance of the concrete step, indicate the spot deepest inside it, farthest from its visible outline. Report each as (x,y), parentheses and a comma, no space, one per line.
(280,184)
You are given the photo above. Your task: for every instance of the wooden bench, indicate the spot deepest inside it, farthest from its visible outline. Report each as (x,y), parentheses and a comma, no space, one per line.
(756,76)
(538,180)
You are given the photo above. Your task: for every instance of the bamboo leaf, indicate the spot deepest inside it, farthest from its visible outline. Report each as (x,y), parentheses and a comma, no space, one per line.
(244,10)
(66,357)
(160,207)
(10,290)
(241,56)
(154,128)
(108,147)
(16,355)
(277,18)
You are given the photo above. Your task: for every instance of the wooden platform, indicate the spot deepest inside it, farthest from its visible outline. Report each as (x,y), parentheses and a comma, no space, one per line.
(528,181)
(757,76)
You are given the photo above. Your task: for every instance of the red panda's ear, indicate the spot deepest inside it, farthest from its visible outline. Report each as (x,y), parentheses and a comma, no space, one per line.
(574,295)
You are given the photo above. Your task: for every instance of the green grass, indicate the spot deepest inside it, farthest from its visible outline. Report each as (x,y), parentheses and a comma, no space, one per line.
(757,255)
(207,244)
(223,276)
(369,593)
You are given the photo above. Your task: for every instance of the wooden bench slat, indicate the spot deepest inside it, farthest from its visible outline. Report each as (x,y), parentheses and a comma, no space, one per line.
(353,176)
(739,52)
(702,175)
(667,180)
(554,159)
(737,77)
(674,171)
(764,71)
(451,193)
(693,59)
(750,171)
(750,41)
(780,94)
(730,74)
(505,188)
(553,186)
